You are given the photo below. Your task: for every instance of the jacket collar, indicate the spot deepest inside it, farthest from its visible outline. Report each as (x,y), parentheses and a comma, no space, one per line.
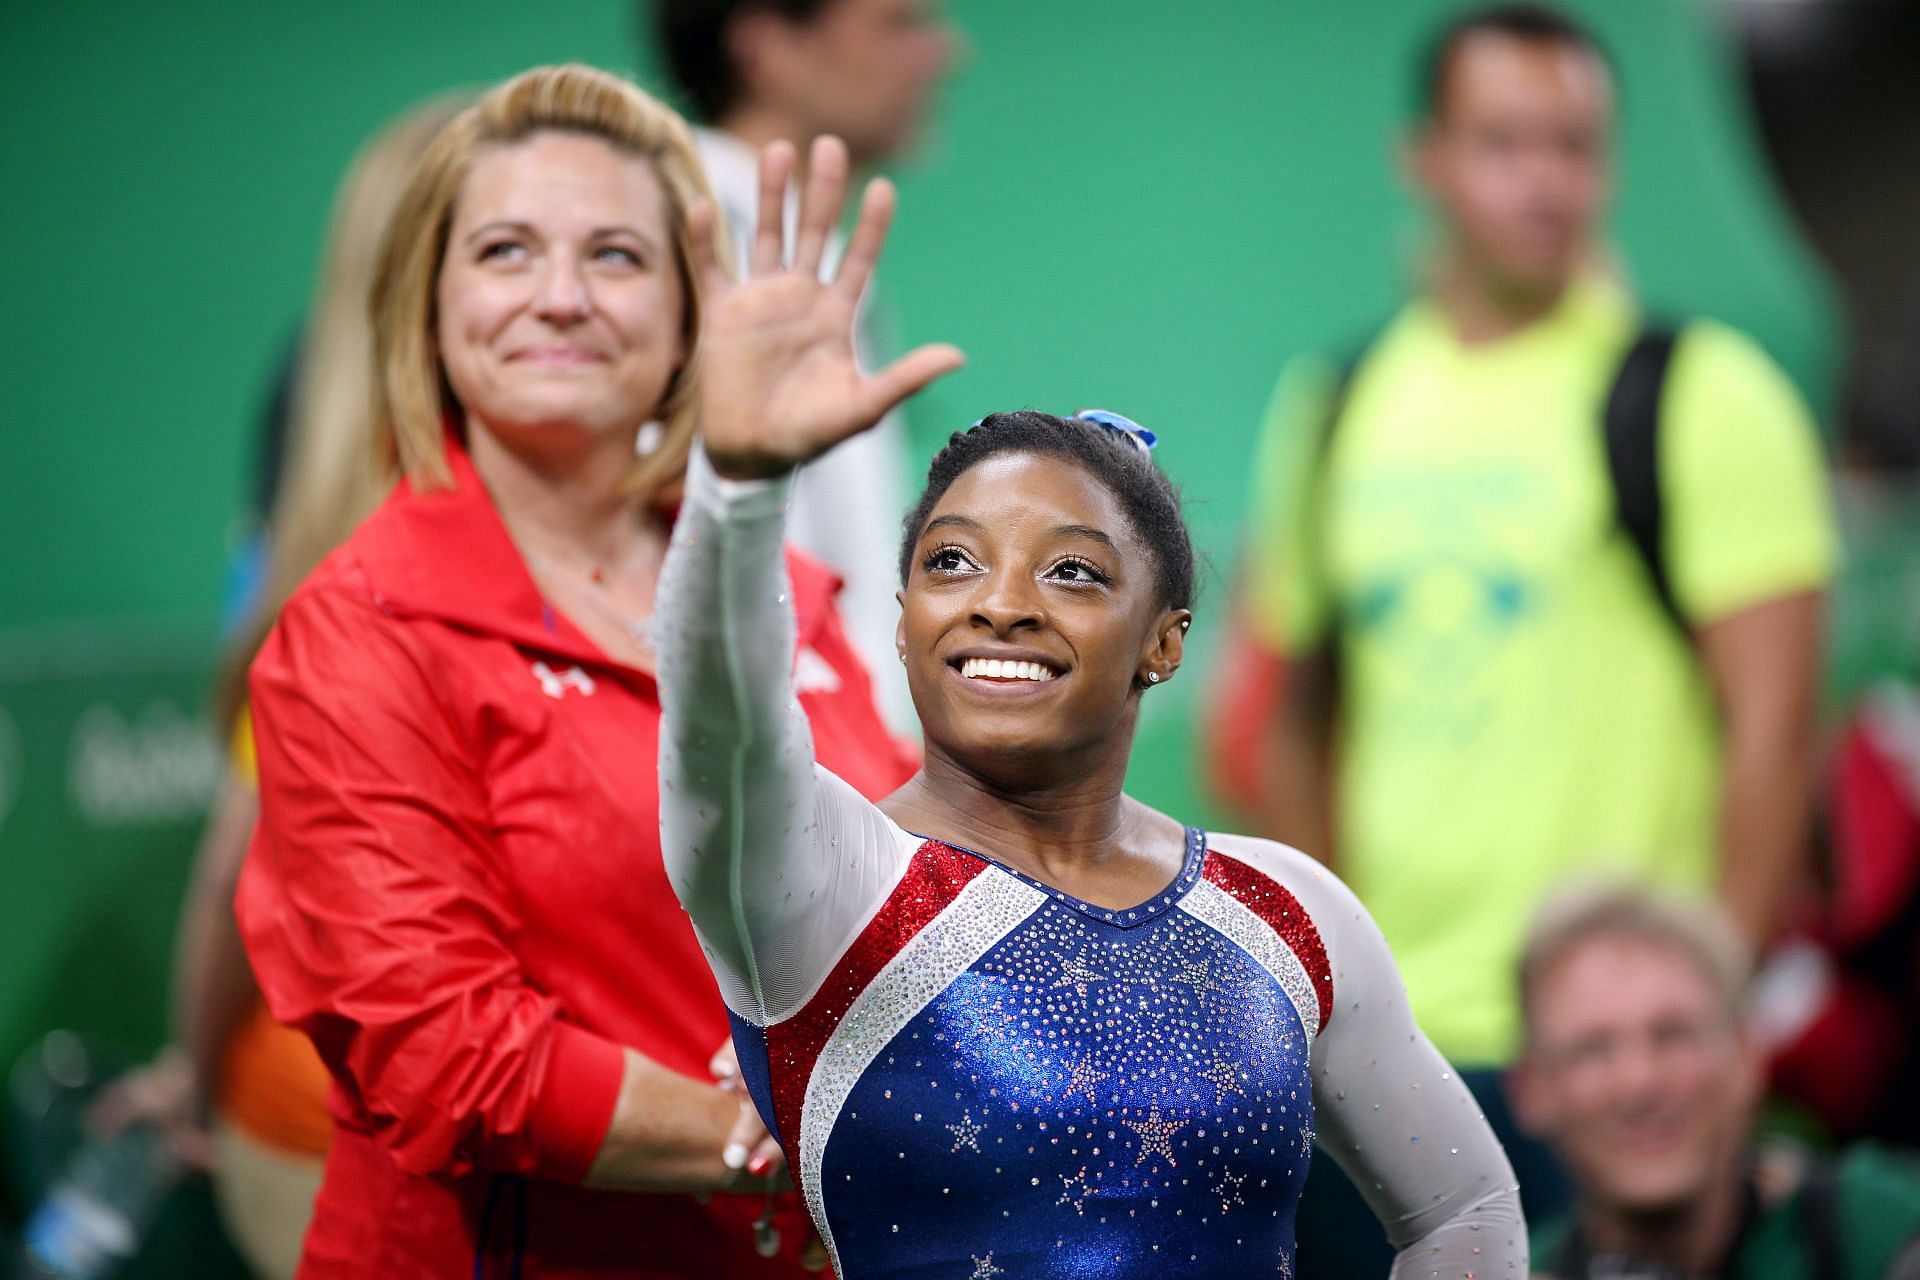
(446,554)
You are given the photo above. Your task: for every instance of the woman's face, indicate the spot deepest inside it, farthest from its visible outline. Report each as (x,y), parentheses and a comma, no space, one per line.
(1031,617)
(560,300)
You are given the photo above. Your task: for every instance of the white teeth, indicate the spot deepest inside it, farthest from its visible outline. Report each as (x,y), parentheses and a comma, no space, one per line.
(1000,669)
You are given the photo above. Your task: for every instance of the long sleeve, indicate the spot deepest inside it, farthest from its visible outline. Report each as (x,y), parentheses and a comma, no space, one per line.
(777,861)
(377,918)
(1388,1108)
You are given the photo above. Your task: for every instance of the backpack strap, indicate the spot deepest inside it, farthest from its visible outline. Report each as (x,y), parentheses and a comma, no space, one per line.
(1632,429)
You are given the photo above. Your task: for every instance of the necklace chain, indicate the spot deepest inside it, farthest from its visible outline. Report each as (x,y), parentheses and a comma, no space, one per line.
(591,587)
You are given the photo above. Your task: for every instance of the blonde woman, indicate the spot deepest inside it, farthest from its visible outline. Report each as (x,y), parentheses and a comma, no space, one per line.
(456,890)
(247,1096)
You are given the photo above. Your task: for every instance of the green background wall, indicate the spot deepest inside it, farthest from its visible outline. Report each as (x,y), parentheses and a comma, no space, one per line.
(1131,204)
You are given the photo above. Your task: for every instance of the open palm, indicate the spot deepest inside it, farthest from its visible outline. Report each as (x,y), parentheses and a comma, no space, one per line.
(780,381)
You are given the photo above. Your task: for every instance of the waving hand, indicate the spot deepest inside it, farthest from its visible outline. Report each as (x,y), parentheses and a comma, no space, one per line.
(780,383)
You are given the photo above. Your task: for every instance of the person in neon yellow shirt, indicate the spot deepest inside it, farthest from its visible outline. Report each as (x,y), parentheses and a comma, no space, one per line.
(1513,706)
(1485,695)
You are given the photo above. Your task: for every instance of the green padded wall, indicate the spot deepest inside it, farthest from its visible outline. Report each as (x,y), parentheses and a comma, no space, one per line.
(1136,205)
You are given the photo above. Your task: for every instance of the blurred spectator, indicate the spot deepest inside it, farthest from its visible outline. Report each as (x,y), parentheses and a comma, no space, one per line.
(1550,600)
(756,71)
(1837,1004)
(261,1084)
(1636,1065)
(456,887)
(1547,577)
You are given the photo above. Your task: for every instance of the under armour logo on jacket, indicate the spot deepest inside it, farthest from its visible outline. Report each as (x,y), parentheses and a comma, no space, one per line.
(813,673)
(556,683)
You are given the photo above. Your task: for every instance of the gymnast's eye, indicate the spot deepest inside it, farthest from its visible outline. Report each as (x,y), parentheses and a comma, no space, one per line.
(1078,572)
(948,559)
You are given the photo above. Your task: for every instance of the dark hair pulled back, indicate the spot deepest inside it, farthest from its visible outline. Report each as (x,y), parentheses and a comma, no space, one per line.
(1148,498)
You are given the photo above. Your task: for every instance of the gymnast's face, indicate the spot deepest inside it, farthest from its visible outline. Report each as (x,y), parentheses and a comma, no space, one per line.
(1031,621)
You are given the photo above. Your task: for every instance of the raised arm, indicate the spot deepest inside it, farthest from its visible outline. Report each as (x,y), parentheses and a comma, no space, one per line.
(1388,1108)
(776,861)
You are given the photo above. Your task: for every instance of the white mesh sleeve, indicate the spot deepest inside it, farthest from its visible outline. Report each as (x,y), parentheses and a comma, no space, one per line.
(778,862)
(1388,1108)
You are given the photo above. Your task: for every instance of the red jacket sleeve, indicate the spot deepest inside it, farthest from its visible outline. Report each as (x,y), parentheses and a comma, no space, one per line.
(377,918)
(849,737)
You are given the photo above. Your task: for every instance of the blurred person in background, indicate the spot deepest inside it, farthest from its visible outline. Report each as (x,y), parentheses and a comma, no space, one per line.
(1637,1064)
(1547,578)
(456,887)
(865,71)
(257,1086)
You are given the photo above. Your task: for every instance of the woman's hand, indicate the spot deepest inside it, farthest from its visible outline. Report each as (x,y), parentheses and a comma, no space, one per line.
(163,1093)
(780,382)
(750,1148)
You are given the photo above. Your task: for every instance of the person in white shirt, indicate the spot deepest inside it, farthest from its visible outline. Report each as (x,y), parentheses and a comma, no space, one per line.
(866,71)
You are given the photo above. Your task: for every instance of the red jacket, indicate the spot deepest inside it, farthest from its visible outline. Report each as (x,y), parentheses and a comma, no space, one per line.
(456,890)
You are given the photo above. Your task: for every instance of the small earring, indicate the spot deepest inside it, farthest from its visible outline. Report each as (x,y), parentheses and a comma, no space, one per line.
(903,657)
(1153,677)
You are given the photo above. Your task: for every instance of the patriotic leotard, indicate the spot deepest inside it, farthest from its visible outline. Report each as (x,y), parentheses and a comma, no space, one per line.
(976,1075)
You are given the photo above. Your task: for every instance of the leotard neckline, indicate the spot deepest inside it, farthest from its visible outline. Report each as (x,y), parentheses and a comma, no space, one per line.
(1118,917)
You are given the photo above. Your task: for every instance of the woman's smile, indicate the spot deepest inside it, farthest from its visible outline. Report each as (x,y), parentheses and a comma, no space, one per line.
(1000,673)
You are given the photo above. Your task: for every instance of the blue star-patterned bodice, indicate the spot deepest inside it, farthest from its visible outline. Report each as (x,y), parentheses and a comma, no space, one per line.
(1087,1093)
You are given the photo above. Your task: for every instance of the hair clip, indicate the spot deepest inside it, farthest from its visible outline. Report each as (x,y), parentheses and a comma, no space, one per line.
(1141,437)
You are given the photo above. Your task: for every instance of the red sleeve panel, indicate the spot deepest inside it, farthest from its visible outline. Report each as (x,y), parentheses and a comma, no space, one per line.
(377,917)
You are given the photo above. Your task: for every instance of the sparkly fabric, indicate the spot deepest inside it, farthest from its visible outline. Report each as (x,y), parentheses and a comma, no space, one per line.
(1215,907)
(1001,1079)
(1273,903)
(1044,1087)
(934,879)
(928,965)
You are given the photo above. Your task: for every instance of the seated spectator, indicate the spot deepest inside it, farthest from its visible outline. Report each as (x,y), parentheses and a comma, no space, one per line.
(1637,1065)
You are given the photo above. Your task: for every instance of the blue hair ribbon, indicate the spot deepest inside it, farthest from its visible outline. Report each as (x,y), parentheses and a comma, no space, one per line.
(1142,438)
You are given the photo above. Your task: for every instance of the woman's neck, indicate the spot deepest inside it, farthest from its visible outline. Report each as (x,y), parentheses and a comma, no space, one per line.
(1078,831)
(567,505)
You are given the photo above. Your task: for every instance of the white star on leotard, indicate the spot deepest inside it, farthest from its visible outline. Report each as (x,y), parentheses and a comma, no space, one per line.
(1198,975)
(1077,973)
(983,1268)
(1229,1189)
(1156,1135)
(1225,1078)
(967,1132)
(1076,1190)
(1085,1075)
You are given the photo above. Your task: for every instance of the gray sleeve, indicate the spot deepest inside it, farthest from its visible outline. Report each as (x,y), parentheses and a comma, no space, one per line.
(1388,1108)
(778,862)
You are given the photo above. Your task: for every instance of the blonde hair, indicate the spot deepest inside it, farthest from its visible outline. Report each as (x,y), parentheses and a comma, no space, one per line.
(1697,929)
(413,400)
(333,475)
